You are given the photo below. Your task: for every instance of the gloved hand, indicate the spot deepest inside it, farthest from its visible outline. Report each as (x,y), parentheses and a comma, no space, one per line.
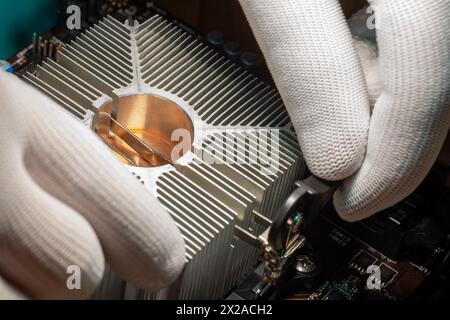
(382,155)
(66,200)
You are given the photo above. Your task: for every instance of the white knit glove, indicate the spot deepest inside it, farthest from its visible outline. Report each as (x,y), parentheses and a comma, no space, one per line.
(66,201)
(383,155)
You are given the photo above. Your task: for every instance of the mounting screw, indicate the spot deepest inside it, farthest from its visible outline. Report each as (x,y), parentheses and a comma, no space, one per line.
(305,264)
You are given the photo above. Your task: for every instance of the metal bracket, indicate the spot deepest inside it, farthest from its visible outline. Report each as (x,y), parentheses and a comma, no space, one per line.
(284,236)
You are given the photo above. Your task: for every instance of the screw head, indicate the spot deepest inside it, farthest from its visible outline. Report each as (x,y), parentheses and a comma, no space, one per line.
(305,264)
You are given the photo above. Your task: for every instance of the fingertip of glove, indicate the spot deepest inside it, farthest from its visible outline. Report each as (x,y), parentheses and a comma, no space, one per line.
(81,280)
(173,259)
(173,266)
(170,266)
(155,261)
(337,167)
(94,278)
(346,206)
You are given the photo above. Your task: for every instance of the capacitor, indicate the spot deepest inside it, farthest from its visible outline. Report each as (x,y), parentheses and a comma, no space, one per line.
(45,51)
(39,45)
(249,59)
(215,38)
(232,49)
(51,51)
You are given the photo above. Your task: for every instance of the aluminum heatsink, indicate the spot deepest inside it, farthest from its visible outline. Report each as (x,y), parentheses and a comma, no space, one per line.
(155,78)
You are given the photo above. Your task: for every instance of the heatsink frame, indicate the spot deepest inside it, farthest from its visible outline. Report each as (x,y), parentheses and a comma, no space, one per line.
(224,101)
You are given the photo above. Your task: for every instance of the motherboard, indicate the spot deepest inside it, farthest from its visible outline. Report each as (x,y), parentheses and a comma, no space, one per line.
(401,253)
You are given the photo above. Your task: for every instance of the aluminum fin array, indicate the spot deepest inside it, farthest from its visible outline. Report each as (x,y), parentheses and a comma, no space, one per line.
(239,124)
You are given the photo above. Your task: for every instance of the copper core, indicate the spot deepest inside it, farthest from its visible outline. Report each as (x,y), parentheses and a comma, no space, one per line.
(141,134)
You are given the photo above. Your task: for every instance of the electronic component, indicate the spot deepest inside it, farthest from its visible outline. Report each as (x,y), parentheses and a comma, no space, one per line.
(232,49)
(215,38)
(348,268)
(335,294)
(362,261)
(249,59)
(387,274)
